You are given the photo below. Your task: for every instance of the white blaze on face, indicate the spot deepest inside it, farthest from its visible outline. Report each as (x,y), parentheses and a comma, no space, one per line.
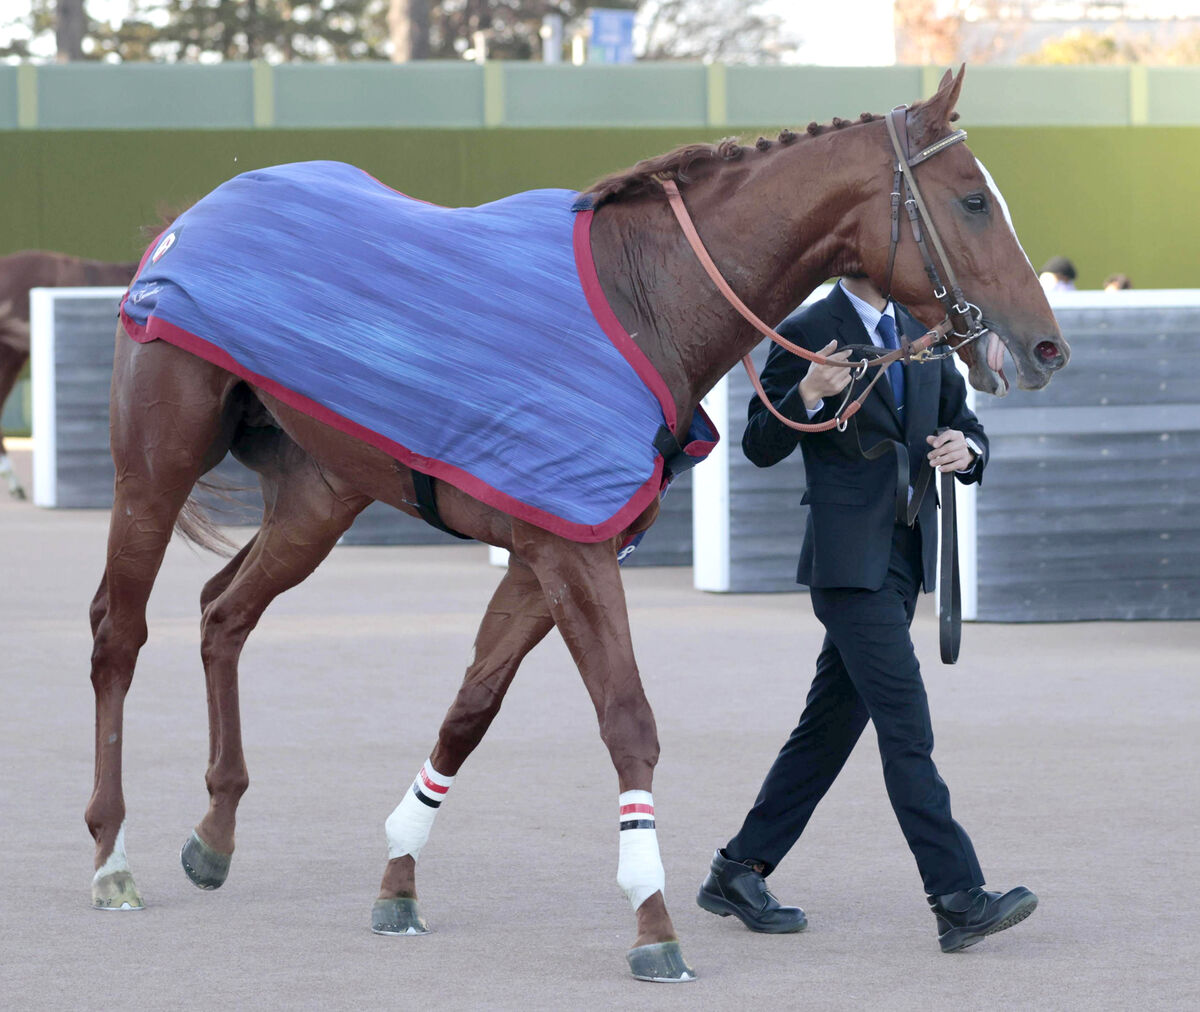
(999,197)
(994,351)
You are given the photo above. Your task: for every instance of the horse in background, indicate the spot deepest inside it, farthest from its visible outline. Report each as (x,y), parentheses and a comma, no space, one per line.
(778,217)
(19,272)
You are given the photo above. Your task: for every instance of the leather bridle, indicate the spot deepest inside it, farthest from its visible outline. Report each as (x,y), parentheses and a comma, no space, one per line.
(963,319)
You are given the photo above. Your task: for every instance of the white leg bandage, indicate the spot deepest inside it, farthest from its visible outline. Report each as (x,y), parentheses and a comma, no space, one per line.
(639,867)
(408,826)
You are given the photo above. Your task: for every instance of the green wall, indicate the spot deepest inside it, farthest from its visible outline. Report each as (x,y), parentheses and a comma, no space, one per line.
(1111,198)
(520,93)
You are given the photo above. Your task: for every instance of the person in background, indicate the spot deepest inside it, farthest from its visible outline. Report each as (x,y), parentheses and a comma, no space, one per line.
(865,571)
(1117,283)
(1058,275)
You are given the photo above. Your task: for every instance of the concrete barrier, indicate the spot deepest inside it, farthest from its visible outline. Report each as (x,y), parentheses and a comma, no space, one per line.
(72,370)
(1090,508)
(72,353)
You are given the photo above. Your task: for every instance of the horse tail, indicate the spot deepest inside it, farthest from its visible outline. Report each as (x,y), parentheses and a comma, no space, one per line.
(197,527)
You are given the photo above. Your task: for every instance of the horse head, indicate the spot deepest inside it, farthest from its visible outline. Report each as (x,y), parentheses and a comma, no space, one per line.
(967,213)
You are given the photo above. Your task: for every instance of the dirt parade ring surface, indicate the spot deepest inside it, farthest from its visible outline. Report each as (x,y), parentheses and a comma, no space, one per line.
(1071,753)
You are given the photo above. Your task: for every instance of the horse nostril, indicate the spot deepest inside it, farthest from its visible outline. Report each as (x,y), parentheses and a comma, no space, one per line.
(1049,354)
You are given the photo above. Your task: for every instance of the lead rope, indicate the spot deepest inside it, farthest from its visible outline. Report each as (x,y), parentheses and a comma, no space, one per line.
(949,588)
(950,621)
(905,352)
(907,508)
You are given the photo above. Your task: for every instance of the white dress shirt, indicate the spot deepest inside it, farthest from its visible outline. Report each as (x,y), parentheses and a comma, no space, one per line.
(870,321)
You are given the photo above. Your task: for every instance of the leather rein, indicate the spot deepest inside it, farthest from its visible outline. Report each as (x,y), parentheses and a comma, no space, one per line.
(963,320)
(959,312)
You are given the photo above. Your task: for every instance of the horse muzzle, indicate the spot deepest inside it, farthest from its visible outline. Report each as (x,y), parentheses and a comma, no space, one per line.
(1038,361)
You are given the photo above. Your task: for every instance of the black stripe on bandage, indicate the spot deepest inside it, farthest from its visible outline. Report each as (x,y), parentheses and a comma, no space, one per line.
(425,799)
(637,824)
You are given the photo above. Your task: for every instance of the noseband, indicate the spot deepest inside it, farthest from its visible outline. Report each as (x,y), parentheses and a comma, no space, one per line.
(963,319)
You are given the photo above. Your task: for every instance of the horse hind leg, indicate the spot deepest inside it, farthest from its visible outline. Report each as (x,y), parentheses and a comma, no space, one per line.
(8,475)
(205,867)
(516,620)
(153,479)
(11,362)
(304,517)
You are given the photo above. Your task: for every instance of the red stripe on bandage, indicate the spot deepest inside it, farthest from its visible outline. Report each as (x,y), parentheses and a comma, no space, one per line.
(436,788)
(630,809)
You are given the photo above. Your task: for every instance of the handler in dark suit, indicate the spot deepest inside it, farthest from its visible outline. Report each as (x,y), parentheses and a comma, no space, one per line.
(865,571)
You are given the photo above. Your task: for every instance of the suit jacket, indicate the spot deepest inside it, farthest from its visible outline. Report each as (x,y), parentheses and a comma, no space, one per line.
(847,541)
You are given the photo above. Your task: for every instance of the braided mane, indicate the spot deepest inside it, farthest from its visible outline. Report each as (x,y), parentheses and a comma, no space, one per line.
(677,164)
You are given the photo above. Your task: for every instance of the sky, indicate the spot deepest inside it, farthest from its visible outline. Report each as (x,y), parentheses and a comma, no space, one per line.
(845,33)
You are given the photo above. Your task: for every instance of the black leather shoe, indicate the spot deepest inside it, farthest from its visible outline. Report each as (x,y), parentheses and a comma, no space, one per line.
(740,889)
(965,917)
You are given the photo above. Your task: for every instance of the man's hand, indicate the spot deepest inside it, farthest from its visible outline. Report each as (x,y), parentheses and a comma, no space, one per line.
(823,381)
(950,451)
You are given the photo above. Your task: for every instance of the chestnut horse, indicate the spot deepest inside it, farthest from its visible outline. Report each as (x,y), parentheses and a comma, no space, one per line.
(20,272)
(778,218)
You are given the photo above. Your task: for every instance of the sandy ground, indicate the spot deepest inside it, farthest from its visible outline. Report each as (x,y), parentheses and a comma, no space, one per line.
(1071,752)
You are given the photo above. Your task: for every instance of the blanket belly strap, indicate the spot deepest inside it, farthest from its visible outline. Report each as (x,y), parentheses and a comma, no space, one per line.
(675,460)
(427,505)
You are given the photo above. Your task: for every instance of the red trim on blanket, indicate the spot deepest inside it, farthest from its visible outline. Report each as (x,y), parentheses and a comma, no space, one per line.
(160,329)
(602,311)
(703,447)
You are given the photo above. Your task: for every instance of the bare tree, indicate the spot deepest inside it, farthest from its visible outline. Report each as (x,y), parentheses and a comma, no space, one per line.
(729,31)
(288,30)
(408,25)
(70,27)
(924,37)
(732,30)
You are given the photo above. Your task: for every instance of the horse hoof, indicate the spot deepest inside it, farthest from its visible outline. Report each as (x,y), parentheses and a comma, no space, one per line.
(116,891)
(661,962)
(206,867)
(398,916)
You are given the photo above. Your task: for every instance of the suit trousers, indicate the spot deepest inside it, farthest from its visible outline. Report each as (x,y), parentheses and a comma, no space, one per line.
(867,670)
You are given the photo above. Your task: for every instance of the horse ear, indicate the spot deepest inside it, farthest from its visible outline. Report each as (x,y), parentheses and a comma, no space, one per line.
(931,118)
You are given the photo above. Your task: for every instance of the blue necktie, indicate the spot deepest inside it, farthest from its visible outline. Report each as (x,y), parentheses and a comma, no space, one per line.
(887,330)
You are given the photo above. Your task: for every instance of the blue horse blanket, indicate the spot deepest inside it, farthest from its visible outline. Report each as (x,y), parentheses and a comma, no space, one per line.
(472,344)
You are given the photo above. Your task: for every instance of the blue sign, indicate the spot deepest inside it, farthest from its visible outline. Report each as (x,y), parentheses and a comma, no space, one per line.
(612,36)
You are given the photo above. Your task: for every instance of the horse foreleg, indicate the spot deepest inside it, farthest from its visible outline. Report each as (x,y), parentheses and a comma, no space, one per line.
(516,620)
(304,518)
(582,583)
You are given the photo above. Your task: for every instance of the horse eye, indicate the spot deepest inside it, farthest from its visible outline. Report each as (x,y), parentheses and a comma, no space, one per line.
(975,203)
